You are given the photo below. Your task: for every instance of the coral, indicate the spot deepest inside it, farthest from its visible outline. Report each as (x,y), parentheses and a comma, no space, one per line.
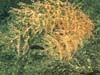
(63,27)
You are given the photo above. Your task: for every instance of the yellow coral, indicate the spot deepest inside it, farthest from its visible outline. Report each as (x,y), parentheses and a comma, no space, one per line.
(64,26)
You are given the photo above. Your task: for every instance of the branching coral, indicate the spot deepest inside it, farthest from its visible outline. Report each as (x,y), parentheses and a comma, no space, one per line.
(63,26)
